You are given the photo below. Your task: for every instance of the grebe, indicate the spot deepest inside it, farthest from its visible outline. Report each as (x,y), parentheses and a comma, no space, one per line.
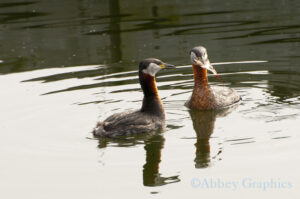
(150,117)
(204,96)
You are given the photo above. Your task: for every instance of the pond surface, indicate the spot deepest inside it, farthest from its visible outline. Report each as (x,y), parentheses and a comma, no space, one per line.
(67,64)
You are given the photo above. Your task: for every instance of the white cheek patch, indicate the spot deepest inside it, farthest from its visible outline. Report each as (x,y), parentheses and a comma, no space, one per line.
(205,56)
(152,69)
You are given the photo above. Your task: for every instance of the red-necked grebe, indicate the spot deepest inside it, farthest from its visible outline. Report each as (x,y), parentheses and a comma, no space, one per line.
(204,96)
(150,117)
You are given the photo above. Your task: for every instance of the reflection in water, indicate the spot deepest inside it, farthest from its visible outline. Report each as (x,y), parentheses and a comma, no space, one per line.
(115,37)
(154,144)
(284,84)
(151,175)
(203,123)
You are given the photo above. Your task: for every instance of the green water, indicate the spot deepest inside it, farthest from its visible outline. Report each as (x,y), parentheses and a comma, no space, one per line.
(68,64)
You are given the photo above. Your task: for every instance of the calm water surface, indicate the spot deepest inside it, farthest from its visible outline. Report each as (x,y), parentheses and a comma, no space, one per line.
(67,64)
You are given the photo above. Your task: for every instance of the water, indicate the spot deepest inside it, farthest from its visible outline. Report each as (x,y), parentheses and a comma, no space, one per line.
(66,65)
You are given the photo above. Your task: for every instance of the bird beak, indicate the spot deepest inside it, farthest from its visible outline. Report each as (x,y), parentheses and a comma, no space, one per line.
(167,66)
(206,64)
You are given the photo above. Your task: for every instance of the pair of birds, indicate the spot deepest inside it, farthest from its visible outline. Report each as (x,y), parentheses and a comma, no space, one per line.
(151,116)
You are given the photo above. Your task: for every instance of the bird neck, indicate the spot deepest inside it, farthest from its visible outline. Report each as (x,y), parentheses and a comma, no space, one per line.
(200,76)
(202,97)
(151,102)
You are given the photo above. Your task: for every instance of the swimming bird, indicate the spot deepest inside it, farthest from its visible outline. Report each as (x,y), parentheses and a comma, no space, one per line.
(150,117)
(204,96)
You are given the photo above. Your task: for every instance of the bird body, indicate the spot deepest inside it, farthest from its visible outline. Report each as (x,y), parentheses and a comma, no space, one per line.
(149,118)
(204,96)
(129,122)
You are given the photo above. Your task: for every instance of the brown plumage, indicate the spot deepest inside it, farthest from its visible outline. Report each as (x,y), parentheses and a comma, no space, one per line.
(204,96)
(151,102)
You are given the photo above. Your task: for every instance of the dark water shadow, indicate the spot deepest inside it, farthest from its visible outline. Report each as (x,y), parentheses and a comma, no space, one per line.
(116,81)
(15,17)
(18,16)
(14,4)
(154,144)
(203,124)
(67,75)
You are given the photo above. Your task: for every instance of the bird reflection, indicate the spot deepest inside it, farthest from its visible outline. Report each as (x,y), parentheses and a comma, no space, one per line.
(203,124)
(151,175)
(154,143)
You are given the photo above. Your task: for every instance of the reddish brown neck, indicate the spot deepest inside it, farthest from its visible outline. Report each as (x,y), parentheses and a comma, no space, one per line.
(151,102)
(202,97)
(200,76)
(148,84)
